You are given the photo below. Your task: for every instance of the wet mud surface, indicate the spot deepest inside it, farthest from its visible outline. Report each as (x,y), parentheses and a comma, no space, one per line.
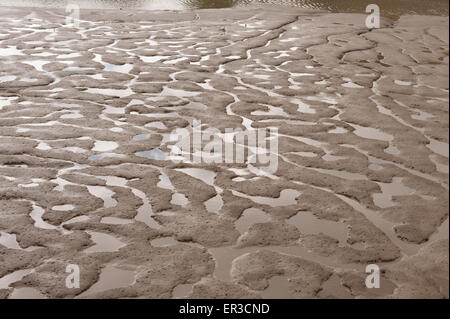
(85,178)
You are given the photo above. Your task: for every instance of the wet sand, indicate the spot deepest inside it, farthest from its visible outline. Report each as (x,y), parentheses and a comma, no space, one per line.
(85,119)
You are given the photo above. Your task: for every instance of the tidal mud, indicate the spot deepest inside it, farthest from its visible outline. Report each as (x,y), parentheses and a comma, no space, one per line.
(85,120)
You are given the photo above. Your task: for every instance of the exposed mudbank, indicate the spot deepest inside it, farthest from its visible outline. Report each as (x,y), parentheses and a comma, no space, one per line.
(85,178)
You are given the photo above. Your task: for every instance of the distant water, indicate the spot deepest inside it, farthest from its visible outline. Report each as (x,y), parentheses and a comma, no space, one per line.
(389,8)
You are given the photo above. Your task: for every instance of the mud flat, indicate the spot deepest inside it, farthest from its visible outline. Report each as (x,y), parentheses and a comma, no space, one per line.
(85,178)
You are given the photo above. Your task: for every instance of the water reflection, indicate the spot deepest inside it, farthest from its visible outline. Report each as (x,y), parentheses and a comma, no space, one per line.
(390,8)
(195,4)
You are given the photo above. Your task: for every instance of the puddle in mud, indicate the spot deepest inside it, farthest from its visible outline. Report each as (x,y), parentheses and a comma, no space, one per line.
(175,60)
(371,133)
(240,171)
(77,219)
(204,175)
(76,69)
(307,223)
(303,107)
(250,217)
(68,55)
(141,137)
(273,111)
(145,212)
(338,130)
(287,197)
(114,181)
(73,115)
(157,125)
(352,85)
(10,241)
(114,110)
(382,224)
(304,154)
(154,154)
(224,257)
(179,199)
(63,208)
(153,59)
(377,220)
(242,179)
(75,149)
(396,188)
(7,78)
(10,50)
(125,68)
(37,64)
(36,215)
(105,155)
(5,102)
(403,83)
(13,277)
(214,204)
(29,80)
(164,182)
(103,243)
(442,232)
(111,277)
(104,146)
(111,92)
(103,193)
(438,147)
(178,93)
(28,185)
(116,221)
